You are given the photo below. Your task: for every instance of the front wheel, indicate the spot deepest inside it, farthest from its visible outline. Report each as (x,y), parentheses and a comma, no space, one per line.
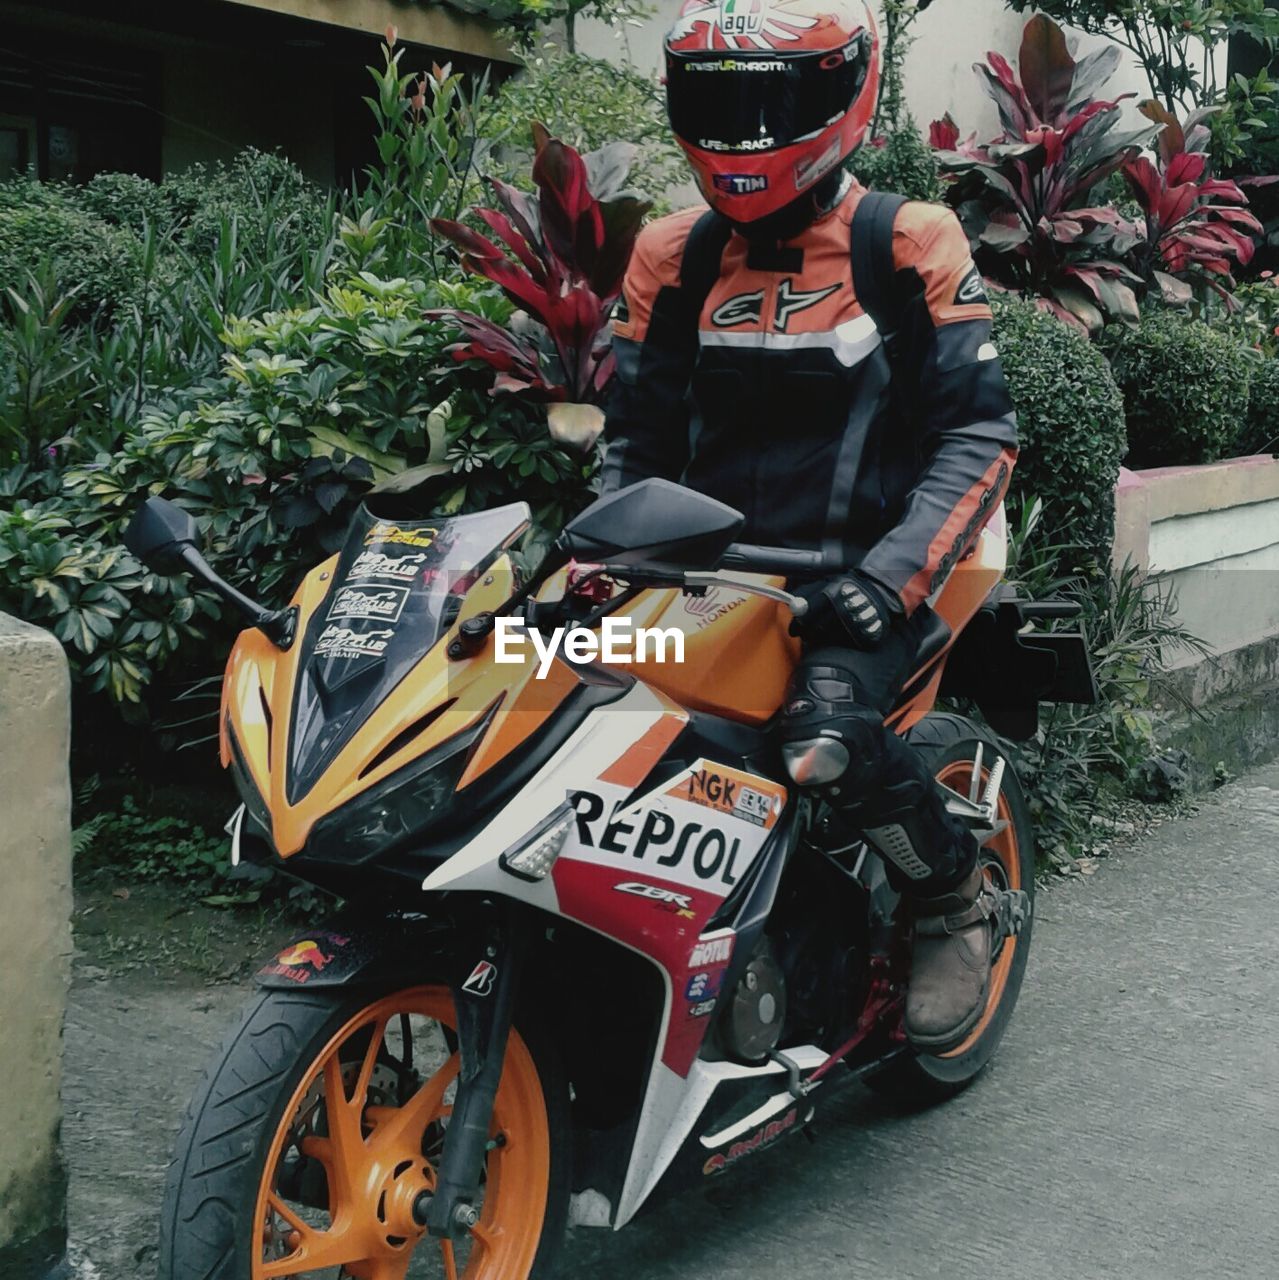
(961,757)
(321,1123)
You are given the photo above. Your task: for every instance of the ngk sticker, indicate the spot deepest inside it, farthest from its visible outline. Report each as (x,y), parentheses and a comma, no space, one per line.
(342,642)
(376,564)
(381,604)
(703,830)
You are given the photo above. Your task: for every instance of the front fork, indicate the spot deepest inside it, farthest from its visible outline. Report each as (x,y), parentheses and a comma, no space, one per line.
(484,990)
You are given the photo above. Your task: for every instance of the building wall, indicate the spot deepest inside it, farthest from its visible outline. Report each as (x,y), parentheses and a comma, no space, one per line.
(274,104)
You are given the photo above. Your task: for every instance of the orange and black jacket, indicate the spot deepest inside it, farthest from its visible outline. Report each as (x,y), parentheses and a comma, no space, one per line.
(782,400)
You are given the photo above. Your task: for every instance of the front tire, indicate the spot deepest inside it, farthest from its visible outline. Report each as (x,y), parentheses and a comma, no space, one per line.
(950,745)
(322,1120)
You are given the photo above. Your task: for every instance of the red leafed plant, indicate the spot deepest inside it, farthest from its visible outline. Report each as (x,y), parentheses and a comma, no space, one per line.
(1197,230)
(1023,197)
(559,257)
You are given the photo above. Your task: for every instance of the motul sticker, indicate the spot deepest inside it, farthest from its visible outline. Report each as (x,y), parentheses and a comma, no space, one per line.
(375,564)
(711,951)
(480,983)
(342,642)
(381,604)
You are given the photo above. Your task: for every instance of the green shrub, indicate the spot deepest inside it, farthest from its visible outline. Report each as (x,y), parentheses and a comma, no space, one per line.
(1185,388)
(587,103)
(1261,427)
(903,164)
(268,197)
(1086,755)
(1070,421)
(42,224)
(126,200)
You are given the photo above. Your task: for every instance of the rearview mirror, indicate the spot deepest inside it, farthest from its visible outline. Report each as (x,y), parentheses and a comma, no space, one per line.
(654,522)
(158,534)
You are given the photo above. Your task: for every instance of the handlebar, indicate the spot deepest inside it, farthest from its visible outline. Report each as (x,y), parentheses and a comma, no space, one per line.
(784,560)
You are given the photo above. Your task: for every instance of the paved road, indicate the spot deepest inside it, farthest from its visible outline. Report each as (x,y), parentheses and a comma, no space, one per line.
(1128,1129)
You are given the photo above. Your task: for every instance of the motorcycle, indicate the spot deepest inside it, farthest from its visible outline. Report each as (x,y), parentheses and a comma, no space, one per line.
(597,947)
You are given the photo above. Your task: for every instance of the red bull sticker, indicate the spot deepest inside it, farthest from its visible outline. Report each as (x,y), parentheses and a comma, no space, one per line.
(301,961)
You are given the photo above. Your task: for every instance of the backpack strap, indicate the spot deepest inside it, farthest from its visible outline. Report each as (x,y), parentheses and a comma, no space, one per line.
(871,250)
(700,263)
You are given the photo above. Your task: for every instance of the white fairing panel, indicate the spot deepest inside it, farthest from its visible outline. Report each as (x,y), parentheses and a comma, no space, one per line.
(607,734)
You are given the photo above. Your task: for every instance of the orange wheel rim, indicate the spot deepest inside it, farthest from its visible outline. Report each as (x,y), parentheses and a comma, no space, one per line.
(1003,852)
(348,1161)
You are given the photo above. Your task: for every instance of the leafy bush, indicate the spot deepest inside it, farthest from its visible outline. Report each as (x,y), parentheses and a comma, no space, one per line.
(1070,419)
(129,201)
(266,195)
(41,224)
(588,103)
(118,622)
(1082,752)
(899,161)
(1261,427)
(1022,197)
(1185,388)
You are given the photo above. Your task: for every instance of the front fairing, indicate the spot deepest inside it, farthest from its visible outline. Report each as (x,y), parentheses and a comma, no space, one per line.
(367,687)
(398,586)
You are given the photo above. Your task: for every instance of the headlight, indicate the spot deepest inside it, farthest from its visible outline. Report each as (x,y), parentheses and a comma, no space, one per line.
(396,810)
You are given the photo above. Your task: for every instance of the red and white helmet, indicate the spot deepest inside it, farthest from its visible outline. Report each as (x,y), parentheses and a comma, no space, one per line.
(769,96)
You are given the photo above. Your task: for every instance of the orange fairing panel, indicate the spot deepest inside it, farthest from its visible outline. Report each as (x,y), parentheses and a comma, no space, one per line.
(738,650)
(260,688)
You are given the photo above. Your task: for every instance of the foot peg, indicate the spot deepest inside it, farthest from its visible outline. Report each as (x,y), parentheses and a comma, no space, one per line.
(1011,912)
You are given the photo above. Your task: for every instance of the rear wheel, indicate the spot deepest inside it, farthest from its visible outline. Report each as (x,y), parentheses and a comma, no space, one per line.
(961,757)
(321,1124)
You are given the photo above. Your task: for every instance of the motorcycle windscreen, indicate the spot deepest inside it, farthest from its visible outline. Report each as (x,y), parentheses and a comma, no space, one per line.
(397,589)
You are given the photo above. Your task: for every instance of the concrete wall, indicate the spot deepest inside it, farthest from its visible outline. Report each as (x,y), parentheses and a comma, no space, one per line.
(35,945)
(1212,533)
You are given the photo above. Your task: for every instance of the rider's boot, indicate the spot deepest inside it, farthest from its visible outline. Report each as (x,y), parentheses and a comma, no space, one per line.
(950,965)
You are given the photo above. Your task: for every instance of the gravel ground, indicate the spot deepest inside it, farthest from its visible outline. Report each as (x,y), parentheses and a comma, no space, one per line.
(1128,1127)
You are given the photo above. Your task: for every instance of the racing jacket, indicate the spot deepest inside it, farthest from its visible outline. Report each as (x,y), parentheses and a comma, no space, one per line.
(782,399)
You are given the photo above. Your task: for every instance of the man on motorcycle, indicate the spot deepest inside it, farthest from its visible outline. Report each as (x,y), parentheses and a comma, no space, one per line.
(877,430)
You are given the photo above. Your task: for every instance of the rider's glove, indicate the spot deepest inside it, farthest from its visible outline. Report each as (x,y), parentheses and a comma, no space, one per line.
(851,608)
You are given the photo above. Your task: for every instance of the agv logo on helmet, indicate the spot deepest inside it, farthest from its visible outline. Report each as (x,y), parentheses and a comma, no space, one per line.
(765,96)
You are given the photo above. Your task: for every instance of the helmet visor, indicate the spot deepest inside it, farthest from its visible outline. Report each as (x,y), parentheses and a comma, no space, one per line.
(744,103)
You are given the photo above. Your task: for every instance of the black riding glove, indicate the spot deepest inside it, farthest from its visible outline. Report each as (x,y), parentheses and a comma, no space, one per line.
(849,608)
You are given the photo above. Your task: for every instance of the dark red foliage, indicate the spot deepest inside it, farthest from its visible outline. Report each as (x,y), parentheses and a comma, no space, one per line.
(560,258)
(1197,229)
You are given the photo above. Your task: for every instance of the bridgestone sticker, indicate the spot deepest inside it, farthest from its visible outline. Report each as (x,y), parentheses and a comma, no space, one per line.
(374,564)
(381,604)
(342,642)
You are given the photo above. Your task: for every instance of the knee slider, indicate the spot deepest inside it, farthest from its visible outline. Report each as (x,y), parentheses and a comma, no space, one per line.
(828,743)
